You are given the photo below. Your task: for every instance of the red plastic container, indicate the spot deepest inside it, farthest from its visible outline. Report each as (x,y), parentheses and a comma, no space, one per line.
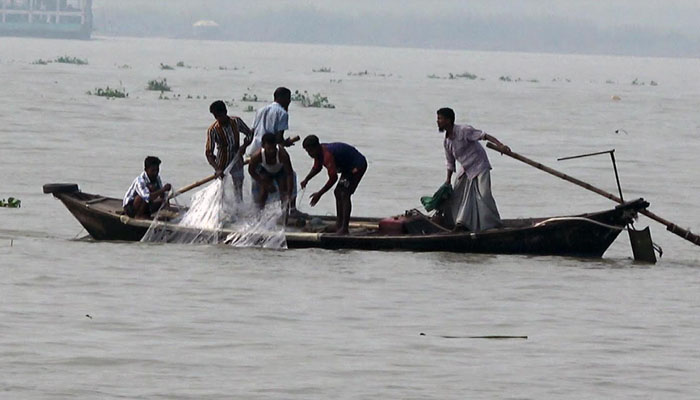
(393,225)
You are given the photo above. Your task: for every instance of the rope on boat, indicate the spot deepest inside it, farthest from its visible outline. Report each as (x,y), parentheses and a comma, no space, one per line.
(619,228)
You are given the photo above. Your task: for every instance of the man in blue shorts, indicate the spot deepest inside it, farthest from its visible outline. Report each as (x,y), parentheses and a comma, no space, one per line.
(337,158)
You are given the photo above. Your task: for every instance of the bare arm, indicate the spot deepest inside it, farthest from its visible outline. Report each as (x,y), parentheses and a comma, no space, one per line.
(448,181)
(209,151)
(332,179)
(253,165)
(288,170)
(314,171)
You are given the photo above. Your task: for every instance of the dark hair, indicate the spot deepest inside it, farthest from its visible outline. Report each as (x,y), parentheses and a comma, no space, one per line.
(282,93)
(447,113)
(311,142)
(218,107)
(150,161)
(269,138)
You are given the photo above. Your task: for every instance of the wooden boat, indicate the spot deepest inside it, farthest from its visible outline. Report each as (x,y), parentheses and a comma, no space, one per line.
(584,235)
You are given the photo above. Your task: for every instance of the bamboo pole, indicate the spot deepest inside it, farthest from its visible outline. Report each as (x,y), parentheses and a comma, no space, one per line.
(670,226)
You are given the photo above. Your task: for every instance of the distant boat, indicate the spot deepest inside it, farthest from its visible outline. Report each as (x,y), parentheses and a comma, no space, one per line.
(63,19)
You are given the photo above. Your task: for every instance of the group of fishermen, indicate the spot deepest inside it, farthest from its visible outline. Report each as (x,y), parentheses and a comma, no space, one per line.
(471,206)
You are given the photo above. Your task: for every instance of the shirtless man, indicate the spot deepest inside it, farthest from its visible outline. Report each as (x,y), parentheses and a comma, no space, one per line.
(269,165)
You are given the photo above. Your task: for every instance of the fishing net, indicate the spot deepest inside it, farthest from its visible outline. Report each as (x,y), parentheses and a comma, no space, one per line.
(216,216)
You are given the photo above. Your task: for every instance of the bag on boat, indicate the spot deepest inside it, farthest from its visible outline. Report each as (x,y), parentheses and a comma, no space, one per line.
(435,201)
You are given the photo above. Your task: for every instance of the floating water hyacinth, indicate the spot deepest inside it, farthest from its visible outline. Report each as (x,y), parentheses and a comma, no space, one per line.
(464,75)
(253,98)
(156,85)
(11,203)
(109,92)
(315,101)
(166,67)
(71,60)
(322,69)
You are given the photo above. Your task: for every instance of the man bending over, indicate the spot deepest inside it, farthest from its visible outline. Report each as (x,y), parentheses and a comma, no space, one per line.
(336,157)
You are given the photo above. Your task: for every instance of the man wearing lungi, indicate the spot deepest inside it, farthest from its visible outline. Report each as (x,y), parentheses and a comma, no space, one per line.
(472,206)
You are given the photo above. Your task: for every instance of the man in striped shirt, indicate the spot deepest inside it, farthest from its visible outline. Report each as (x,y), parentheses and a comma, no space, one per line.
(223,148)
(146,193)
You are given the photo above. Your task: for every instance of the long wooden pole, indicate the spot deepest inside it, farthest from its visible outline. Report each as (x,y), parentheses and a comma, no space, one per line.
(670,226)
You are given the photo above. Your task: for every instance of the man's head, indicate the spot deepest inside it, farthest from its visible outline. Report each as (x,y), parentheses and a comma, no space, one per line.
(269,142)
(312,146)
(219,111)
(445,118)
(283,97)
(152,167)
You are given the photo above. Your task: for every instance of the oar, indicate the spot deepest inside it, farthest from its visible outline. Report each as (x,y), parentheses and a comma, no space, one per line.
(192,186)
(210,178)
(670,226)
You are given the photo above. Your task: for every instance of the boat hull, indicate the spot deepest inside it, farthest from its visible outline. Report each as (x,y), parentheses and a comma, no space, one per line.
(585,235)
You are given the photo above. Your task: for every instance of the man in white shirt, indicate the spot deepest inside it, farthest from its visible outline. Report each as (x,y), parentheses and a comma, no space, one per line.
(472,205)
(273,118)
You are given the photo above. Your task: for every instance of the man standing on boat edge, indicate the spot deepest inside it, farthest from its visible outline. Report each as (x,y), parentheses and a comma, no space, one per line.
(223,146)
(472,206)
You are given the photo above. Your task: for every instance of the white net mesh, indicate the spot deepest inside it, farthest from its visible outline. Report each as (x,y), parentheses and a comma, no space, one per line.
(215,216)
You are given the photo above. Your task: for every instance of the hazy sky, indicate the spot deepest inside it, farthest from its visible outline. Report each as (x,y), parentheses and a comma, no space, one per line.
(643,27)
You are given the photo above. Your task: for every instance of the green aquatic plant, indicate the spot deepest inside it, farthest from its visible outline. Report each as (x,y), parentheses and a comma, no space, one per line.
(465,75)
(71,60)
(322,69)
(166,67)
(315,100)
(109,92)
(249,97)
(124,66)
(180,64)
(41,62)
(249,109)
(505,79)
(11,203)
(156,85)
(367,73)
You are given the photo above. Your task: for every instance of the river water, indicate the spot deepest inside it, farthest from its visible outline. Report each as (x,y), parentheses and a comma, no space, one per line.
(82,319)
